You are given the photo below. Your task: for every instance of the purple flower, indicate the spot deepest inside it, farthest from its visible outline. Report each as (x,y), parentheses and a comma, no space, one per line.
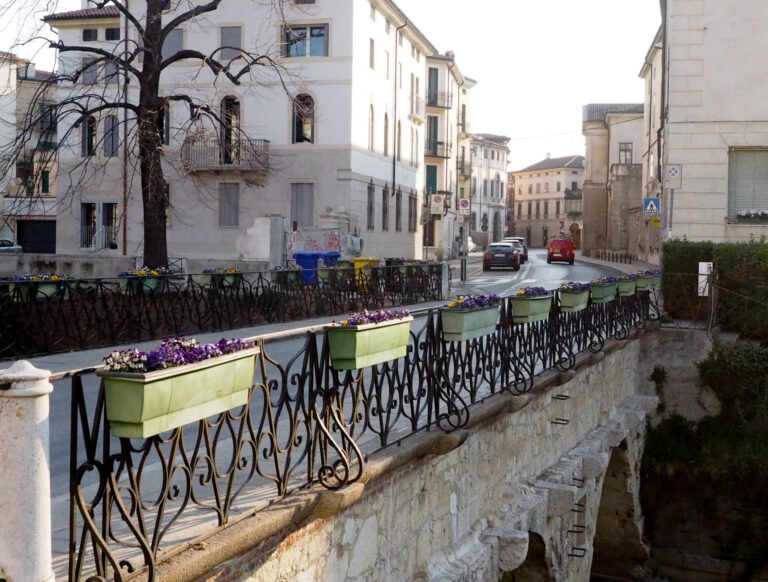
(574,287)
(533,292)
(366,316)
(470,302)
(604,280)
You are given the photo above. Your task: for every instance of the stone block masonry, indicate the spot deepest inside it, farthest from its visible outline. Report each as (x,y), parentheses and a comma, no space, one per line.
(517,489)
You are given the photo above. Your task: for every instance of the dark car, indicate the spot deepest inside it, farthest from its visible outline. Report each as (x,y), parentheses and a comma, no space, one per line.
(561,249)
(502,254)
(523,243)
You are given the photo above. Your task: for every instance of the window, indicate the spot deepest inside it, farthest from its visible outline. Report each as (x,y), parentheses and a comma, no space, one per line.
(558,186)
(474,186)
(111,136)
(399,211)
(485,187)
(399,139)
(493,154)
(230,130)
(386,134)
(546,186)
(529,209)
(747,181)
(546,209)
(47,117)
(625,153)
(530,188)
(538,209)
(386,60)
(90,71)
(90,34)
(370,129)
(87,223)
(109,224)
(557,208)
(88,136)
(412,212)
(371,205)
(111,74)
(485,153)
(519,208)
(229,204)
(303,119)
(520,190)
(112,33)
(538,188)
(574,186)
(385,208)
(306,41)
(45,182)
(302,205)
(372,54)
(174,42)
(231,39)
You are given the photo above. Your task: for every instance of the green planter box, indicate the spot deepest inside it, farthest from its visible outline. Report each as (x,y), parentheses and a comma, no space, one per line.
(459,325)
(143,405)
(572,302)
(644,283)
(627,288)
(354,347)
(287,277)
(137,284)
(603,293)
(530,309)
(31,290)
(656,281)
(222,279)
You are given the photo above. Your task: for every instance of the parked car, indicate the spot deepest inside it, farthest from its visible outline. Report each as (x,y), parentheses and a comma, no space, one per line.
(522,242)
(561,249)
(502,254)
(8,246)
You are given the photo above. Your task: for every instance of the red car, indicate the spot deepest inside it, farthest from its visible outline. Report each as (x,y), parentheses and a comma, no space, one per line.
(561,249)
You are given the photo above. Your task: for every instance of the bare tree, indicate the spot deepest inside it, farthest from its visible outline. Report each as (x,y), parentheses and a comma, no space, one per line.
(97,83)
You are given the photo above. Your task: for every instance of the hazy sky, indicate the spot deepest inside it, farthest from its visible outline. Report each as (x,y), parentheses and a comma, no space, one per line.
(536,62)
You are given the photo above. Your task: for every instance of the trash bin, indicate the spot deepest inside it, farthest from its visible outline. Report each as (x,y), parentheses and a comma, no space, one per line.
(362,278)
(330,258)
(307,260)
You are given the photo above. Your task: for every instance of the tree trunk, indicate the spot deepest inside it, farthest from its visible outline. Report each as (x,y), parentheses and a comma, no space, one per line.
(152,182)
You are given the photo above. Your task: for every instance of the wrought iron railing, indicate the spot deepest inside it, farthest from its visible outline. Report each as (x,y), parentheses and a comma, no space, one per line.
(440,99)
(133,500)
(437,149)
(213,154)
(86,313)
(464,168)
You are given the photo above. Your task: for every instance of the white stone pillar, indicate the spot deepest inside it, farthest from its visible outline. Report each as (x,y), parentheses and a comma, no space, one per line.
(25,482)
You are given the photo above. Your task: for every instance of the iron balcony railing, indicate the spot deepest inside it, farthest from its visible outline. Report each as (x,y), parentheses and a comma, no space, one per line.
(418,108)
(132,500)
(442,99)
(205,155)
(464,168)
(437,149)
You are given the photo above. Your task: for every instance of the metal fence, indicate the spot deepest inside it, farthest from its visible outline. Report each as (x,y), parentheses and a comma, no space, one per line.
(134,501)
(53,316)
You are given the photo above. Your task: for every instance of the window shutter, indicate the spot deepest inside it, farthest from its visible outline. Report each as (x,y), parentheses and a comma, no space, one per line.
(303,204)
(229,204)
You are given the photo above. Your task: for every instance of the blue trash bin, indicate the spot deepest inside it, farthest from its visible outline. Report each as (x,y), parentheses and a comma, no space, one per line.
(307,260)
(330,258)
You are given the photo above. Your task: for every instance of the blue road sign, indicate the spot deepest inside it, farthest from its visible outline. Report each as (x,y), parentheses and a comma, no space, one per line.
(651,206)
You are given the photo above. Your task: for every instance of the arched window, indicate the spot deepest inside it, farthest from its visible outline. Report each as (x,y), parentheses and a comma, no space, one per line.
(230,130)
(370,129)
(303,119)
(386,134)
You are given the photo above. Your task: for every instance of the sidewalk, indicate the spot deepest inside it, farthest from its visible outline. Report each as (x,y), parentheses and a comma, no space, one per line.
(634,267)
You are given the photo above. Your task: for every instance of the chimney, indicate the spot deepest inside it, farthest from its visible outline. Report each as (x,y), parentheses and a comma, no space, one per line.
(549,156)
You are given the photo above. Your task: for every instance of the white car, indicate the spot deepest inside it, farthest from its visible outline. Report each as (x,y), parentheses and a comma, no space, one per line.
(8,246)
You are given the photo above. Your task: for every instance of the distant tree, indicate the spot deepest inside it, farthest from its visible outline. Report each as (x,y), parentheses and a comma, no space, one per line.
(94,84)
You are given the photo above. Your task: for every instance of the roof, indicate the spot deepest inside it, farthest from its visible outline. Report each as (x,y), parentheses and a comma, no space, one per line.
(575,162)
(496,139)
(106,12)
(598,111)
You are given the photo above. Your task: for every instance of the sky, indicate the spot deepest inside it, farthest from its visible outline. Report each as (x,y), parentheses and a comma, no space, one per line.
(536,62)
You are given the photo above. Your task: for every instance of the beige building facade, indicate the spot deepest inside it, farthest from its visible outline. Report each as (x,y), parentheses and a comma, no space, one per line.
(708,104)
(612,203)
(548,198)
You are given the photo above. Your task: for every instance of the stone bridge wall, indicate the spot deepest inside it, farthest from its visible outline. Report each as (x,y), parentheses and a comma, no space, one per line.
(517,491)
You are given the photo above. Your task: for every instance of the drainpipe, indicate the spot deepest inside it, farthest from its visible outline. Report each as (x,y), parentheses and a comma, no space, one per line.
(447,168)
(394,110)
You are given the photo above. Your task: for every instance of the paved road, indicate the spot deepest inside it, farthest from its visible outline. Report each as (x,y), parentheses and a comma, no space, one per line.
(535,271)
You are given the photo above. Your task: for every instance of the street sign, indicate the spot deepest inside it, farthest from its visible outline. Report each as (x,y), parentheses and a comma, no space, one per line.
(464,206)
(437,203)
(673,176)
(656,221)
(651,207)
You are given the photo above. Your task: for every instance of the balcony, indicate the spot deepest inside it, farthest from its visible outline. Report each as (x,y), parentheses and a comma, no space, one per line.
(437,149)
(211,155)
(464,168)
(103,237)
(463,125)
(440,99)
(418,111)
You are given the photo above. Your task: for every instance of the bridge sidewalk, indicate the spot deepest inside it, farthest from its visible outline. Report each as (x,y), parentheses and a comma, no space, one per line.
(632,267)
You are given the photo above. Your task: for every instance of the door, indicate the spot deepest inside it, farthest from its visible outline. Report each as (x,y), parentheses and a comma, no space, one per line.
(430,185)
(432,86)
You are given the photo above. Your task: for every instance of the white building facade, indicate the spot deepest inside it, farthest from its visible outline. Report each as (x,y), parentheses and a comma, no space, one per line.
(331,143)
(708,103)
(488,218)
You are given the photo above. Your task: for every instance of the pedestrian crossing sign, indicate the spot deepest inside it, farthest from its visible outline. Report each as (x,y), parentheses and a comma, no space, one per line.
(651,206)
